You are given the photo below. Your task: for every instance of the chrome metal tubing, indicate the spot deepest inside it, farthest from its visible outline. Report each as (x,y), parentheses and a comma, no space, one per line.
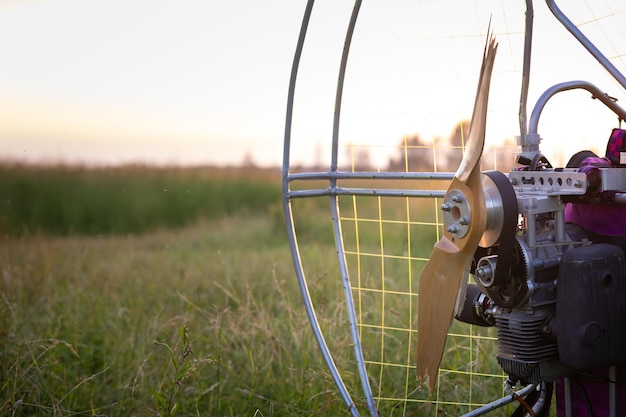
(293,244)
(334,207)
(571,27)
(528,41)
(335,191)
(375,175)
(596,93)
(501,402)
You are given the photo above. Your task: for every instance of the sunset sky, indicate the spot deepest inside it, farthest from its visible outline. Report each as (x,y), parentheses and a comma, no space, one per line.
(205,81)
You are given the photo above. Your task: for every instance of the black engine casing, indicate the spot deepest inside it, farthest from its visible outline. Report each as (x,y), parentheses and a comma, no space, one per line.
(590,322)
(583,329)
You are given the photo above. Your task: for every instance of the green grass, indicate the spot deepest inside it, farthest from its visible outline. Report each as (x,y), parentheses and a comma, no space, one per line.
(203,319)
(65,200)
(93,326)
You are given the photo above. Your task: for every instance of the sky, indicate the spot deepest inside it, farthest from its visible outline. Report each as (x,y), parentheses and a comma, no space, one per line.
(205,81)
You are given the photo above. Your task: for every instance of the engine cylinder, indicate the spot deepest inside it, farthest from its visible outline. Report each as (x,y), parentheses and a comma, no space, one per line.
(524,345)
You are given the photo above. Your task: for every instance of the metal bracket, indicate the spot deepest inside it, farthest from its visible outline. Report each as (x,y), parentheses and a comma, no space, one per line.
(613,179)
(565,182)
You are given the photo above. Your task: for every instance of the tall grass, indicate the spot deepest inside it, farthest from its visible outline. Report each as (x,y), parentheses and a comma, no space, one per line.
(205,319)
(66,200)
(201,321)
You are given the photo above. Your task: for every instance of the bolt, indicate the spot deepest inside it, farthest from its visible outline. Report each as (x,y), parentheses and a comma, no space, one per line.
(457,198)
(480,272)
(578,183)
(463,221)
(484,273)
(452,229)
(446,207)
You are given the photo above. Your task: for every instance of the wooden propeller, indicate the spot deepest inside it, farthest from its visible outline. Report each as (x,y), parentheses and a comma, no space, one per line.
(444,278)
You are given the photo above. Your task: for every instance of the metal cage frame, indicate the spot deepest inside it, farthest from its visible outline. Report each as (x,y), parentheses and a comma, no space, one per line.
(529,141)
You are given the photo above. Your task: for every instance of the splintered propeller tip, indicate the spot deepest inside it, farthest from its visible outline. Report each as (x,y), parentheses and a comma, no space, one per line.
(444,278)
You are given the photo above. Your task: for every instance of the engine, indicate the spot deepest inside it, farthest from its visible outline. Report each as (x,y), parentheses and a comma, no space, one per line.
(555,292)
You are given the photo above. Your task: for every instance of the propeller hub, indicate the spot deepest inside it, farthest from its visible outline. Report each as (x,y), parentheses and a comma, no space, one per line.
(456,213)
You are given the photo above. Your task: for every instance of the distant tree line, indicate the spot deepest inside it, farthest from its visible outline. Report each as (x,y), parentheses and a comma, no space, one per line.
(442,155)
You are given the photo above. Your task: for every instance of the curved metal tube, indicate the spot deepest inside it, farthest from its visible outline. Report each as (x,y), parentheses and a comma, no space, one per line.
(572,85)
(501,402)
(293,244)
(334,208)
(586,43)
(340,79)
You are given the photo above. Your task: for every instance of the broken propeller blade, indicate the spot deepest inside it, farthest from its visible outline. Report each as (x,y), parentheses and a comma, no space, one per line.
(444,278)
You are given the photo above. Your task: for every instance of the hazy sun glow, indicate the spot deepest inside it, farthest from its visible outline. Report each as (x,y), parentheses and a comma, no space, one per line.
(206,82)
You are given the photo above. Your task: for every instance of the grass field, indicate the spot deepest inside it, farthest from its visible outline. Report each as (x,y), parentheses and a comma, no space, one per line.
(149,315)
(190,308)
(66,200)
(205,318)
